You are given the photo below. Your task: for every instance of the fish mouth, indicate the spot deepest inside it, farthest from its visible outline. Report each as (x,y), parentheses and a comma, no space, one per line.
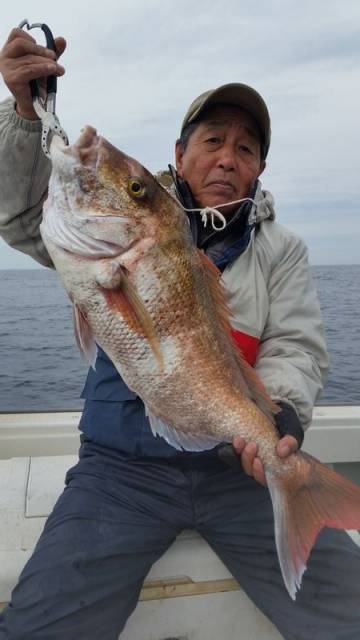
(85,149)
(93,155)
(94,168)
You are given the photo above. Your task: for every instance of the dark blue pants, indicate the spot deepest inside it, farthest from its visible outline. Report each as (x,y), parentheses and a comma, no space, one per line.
(117,516)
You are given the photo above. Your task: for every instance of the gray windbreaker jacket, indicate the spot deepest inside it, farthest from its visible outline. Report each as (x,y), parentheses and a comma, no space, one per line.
(270,288)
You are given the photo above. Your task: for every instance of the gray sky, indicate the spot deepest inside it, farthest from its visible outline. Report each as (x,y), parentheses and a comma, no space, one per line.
(132,69)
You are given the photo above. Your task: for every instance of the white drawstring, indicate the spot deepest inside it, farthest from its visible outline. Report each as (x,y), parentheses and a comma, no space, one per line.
(214,213)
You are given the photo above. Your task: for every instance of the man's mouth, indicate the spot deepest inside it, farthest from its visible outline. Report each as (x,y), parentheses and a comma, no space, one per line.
(221,184)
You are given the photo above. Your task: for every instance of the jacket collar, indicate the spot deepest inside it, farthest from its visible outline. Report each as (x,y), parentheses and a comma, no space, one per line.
(264,209)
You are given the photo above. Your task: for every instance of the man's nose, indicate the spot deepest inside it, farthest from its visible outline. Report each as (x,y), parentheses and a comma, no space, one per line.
(226,158)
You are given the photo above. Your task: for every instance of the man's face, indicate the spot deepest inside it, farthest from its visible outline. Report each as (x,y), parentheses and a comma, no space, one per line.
(222,159)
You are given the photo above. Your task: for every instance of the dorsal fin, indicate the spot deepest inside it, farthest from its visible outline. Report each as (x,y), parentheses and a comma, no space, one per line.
(252,386)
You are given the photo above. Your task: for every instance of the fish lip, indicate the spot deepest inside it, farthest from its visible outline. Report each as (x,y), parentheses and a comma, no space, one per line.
(85,150)
(87,146)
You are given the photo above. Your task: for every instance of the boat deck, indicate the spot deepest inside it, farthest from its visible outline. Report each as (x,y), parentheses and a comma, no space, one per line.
(188,594)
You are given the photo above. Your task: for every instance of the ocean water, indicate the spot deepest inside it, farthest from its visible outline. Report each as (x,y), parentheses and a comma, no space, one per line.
(41,368)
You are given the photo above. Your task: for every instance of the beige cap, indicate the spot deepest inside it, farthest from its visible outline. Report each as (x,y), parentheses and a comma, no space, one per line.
(240,95)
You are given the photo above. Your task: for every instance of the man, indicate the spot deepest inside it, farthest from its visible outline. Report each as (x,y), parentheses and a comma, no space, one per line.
(130,493)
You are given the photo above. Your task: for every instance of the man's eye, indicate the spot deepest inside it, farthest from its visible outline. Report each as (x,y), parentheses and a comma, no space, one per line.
(244,148)
(213,140)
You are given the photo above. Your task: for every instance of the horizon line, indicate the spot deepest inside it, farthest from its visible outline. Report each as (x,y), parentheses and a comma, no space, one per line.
(312,264)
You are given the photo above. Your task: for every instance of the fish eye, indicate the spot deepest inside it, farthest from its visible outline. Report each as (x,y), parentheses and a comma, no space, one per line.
(135,188)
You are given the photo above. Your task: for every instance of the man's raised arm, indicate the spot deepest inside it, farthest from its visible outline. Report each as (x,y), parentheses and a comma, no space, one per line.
(24,169)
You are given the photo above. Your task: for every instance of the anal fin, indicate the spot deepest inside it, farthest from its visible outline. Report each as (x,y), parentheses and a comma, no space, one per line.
(179,439)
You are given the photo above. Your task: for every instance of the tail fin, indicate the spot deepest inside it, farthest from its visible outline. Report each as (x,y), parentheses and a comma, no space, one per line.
(303,504)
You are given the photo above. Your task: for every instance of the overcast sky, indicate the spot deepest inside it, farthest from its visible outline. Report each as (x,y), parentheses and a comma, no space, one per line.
(132,69)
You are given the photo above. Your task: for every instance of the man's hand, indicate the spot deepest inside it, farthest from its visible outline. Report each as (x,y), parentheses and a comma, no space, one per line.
(252,465)
(22,60)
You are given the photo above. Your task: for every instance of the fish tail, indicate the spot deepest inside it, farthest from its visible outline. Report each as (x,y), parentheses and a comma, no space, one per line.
(303,504)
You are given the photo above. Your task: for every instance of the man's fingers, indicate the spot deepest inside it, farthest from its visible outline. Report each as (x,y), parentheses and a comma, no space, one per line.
(258,471)
(287,445)
(20,47)
(247,453)
(20,43)
(248,456)
(35,72)
(239,444)
(50,66)
(16,32)
(30,60)
(34,68)
(252,465)
(60,44)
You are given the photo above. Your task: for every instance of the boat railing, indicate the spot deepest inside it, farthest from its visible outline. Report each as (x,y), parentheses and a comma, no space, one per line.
(334,435)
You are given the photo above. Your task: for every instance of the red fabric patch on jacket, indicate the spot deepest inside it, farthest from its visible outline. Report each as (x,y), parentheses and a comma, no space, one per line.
(248,345)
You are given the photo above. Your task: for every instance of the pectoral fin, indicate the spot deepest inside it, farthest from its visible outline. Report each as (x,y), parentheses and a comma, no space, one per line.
(126,301)
(84,337)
